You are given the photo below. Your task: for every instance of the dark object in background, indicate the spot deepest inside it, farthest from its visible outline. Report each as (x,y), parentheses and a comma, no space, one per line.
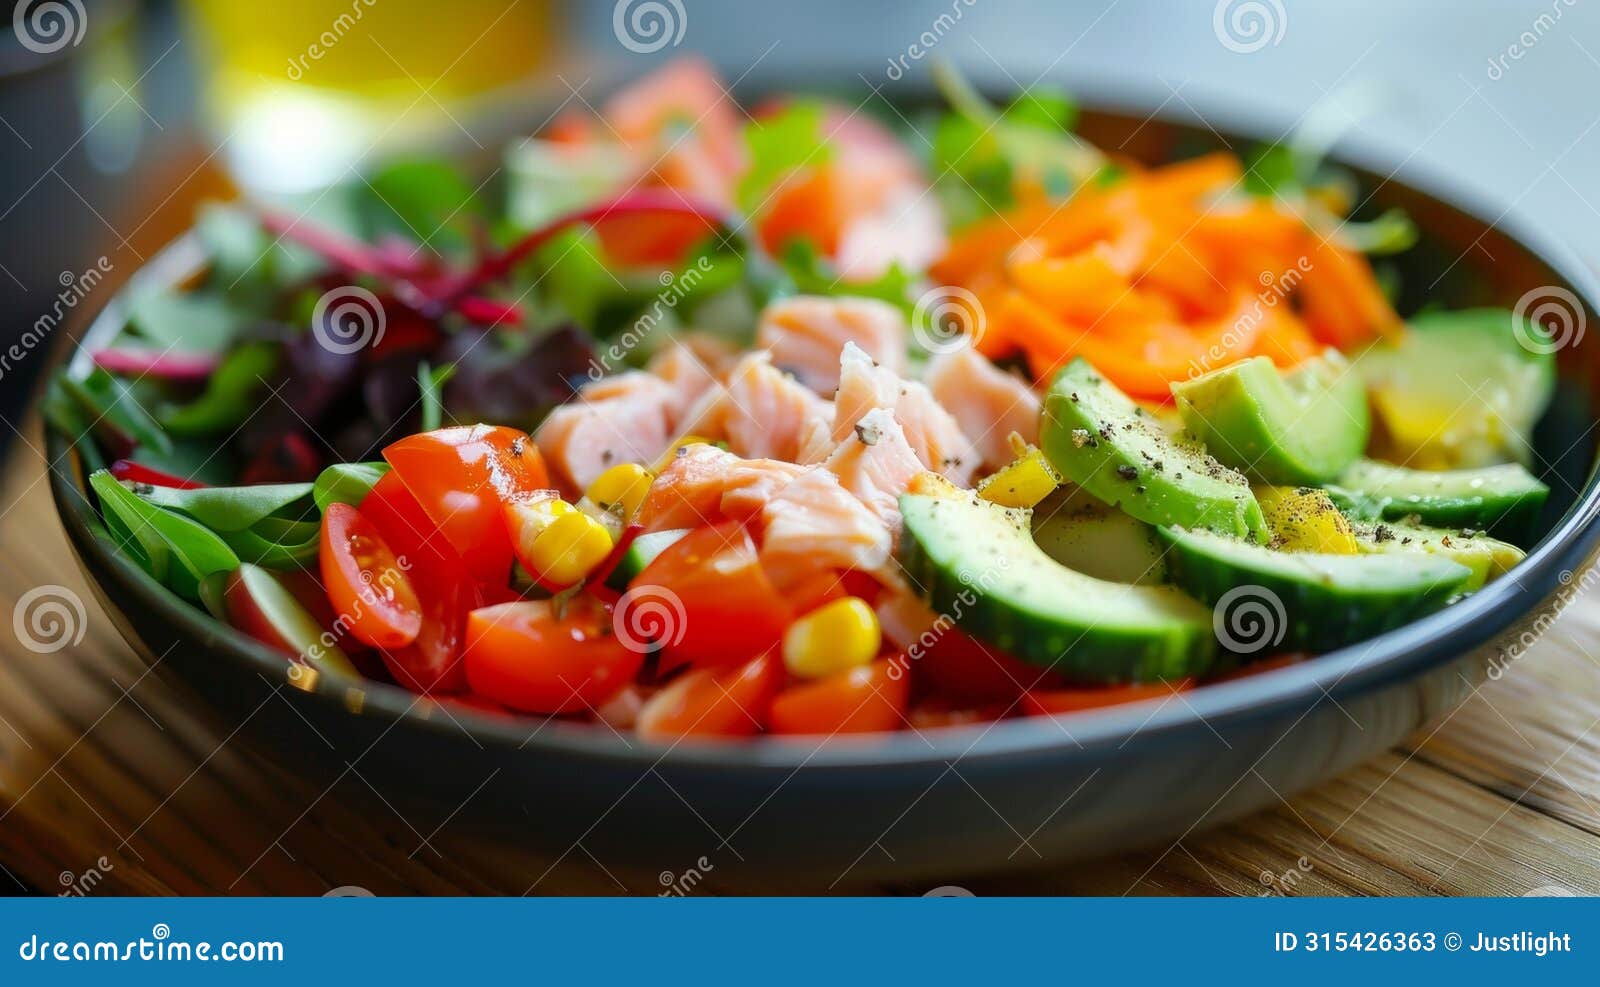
(79,96)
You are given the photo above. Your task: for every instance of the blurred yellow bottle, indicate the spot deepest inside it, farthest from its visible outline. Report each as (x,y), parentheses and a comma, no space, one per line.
(304,91)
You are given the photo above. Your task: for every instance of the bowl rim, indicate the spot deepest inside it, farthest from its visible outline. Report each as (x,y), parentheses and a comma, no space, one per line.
(1394,656)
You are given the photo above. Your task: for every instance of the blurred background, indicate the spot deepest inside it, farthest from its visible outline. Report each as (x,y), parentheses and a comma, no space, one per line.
(117,117)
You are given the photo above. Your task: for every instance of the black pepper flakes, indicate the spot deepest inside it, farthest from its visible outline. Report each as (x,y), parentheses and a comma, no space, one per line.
(1127,472)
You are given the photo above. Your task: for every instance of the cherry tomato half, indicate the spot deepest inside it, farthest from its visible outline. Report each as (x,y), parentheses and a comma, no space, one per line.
(461,476)
(528,657)
(709,702)
(444,588)
(727,610)
(866,699)
(367,585)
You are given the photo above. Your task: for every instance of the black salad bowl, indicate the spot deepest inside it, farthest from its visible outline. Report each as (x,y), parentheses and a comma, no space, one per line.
(960,800)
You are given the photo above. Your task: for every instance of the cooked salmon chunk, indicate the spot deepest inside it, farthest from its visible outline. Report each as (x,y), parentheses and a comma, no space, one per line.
(806,335)
(876,464)
(703,484)
(932,433)
(988,403)
(627,418)
(815,523)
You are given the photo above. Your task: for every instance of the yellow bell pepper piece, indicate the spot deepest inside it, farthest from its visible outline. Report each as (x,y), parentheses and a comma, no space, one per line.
(1303,519)
(833,638)
(1027,480)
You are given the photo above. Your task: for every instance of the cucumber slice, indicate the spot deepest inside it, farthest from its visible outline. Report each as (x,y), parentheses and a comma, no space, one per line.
(1098,438)
(1488,558)
(641,553)
(1086,536)
(1271,600)
(1504,500)
(977,563)
(1460,389)
(1301,428)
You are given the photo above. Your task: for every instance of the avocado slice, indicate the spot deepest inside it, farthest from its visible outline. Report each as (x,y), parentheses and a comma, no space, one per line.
(977,563)
(1099,438)
(1460,389)
(1271,600)
(1087,536)
(1504,500)
(1299,428)
(1488,558)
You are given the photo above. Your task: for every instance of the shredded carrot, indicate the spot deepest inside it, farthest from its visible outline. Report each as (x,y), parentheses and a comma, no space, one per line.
(1166,272)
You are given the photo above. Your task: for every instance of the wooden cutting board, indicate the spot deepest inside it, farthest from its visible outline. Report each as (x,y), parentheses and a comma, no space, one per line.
(109,784)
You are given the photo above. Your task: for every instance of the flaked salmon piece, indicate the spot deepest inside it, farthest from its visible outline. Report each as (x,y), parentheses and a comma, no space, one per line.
(761,411)
(907,229)
(621,419)
(877,464)
(806,335)
(704,484)
(815,523)
(988,403)
(932,433)
(816,442)
(687,372)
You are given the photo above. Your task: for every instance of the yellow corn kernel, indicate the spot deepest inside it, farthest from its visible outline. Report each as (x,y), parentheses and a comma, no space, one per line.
(672,451)
(1303,519)
(833,638)
(1023,483)
(568,548)
(621,489)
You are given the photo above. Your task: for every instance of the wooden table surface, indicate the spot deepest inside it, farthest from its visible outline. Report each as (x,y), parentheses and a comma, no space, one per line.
(105,771)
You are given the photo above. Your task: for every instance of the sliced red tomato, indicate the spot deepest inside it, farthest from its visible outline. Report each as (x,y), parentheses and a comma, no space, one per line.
(965,670)
(461,476)
(867,699)
(367,585)
(530,658)
(726,702)
(1047,702)
(721,609)
(937,715)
